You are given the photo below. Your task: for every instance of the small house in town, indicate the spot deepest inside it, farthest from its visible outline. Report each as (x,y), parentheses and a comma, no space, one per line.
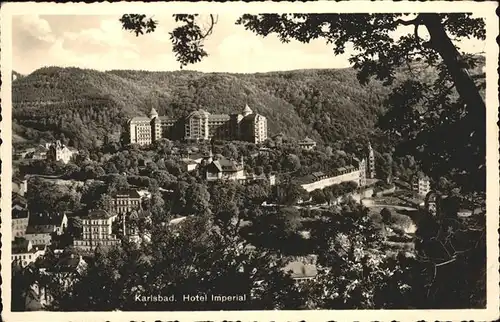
(24,252)
(307,143)
(124,201)
(97,231)
(20,220)
(421,184)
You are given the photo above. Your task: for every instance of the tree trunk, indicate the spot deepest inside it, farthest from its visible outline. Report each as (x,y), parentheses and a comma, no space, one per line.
(464,84)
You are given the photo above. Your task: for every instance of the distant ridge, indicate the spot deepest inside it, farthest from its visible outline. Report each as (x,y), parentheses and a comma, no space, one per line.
(85,105)
(16,75)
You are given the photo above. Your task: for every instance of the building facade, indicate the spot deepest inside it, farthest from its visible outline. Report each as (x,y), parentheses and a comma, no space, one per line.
(60,152)
(307,144)
(320,180)
(421,184)
(125,201)
(96,230)
(20,219)
(25,253)
(20,186)
(40,235)
(199,125)
(225,169)
(356,173)
(42,227)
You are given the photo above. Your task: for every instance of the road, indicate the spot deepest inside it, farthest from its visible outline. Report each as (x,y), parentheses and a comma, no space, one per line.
(370,204)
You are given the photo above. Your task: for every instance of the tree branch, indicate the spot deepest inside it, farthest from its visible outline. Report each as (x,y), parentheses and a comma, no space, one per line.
(416,21)
(213,22)
(447,262)
(405,22)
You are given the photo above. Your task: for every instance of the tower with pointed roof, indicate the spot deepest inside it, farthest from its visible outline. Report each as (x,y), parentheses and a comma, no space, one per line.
(153,113)
(247,110)
(253,126)
(156,129)
(371,162)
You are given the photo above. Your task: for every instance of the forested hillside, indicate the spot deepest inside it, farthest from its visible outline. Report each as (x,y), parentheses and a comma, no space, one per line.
(84,105)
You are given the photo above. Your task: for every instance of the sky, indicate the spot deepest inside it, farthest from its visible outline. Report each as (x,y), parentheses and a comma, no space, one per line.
(99,42)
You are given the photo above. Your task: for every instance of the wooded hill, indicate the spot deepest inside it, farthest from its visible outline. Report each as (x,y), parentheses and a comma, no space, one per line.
(84,105)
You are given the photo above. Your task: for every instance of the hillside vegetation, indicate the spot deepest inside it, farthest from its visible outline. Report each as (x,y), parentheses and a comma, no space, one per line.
(85,105)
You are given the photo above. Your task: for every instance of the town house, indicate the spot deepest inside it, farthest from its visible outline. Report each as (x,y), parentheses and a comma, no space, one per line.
(97,230)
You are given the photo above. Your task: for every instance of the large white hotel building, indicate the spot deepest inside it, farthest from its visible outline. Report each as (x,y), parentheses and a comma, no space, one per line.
(199,125)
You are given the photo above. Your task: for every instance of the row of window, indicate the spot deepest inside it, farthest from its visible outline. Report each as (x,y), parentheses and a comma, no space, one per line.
(125,201)
(95,222)
(40,241)
(104,236)
(96,242)
(22,256)
(103,228)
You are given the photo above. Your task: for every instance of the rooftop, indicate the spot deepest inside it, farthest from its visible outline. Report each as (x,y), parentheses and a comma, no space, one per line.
(199,114)
(188,161)
(68,263)
(99,214)
(166,118)
(18,181)
(43,219)
(177,220)
(225,165)
(247,109)
(318,174)
(20,214)
(17,199)
(130,193)
(300,270)
(315,176)
(153,113)
(20,246)
(220,116)
(251,117)
(307,140)
(140,119)
(40,229)
(137,214)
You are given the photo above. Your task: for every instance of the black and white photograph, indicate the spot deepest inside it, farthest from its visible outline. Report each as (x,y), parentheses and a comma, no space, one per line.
(250,158)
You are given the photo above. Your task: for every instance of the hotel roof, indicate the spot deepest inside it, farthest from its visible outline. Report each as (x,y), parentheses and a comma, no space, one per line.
(140,119)
(199,113)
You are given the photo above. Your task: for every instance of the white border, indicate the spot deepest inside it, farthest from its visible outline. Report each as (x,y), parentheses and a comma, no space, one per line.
(483,9)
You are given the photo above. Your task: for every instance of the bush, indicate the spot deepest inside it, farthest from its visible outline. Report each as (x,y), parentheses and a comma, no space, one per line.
(402,223)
